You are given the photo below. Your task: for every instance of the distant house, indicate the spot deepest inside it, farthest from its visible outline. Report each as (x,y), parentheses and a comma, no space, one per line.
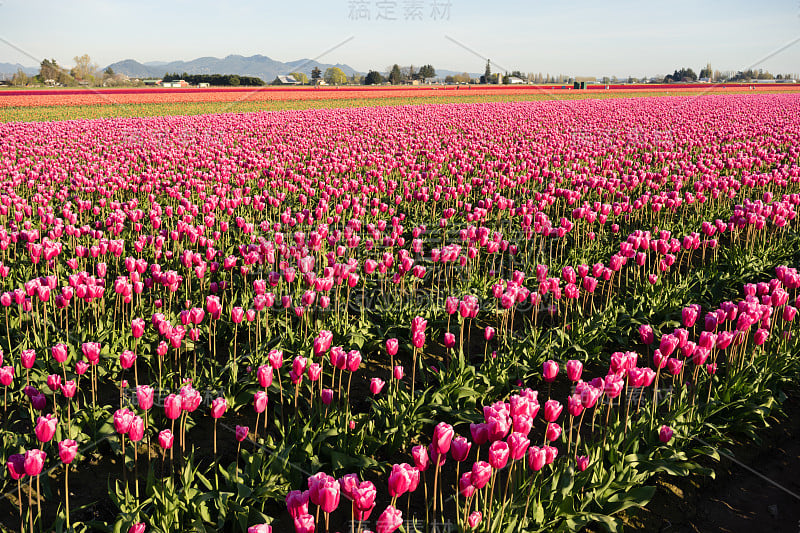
(513,80)
(177,84)
(410,82)
(204,85)
(285,80)
(151,82)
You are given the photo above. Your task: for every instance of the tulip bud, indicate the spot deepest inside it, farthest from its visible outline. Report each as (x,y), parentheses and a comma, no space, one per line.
(550,371)
(165,439)
(218,407)
(474,519)
(376,385)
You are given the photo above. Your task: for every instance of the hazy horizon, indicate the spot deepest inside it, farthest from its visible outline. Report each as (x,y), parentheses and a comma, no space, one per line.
(621,37)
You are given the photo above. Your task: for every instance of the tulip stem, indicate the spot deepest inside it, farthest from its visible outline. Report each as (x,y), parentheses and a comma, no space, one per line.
(608,414)
(458,473)
(66,494)
(578,433)
(505,494)
(136,468)
(425,487)
(488,503)
(30,503)
(413,381)
(435,485)
(19,504)
(655,393)
(238,448)
(38,502)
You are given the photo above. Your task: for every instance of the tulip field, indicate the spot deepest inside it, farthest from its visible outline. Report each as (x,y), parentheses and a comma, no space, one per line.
(71,104)
(492,317)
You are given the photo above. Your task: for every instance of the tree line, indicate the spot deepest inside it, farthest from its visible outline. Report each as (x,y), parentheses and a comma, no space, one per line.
(86,72)
(686,74)
(222,80)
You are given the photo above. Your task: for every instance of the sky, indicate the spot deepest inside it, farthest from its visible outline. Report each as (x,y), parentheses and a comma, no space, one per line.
(574,37)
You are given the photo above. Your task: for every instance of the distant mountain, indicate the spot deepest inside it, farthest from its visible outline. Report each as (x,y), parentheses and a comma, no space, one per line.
(8,69)
(258,66)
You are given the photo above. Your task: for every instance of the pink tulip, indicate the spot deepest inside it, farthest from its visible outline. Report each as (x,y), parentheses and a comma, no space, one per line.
(574,370)
(136,430)
(144,397)
(449,340)
(218,407)
(442,437)
(459,448)
(646,334)
(474,519)
(165,439)
(172,406)
(275,358)
(364,499)
(54,382)
(259,402)
(376,385)
(67,450)
(421,460)
(392,346)
(137,328)
(34,462)
(241,432)
(553,432)
(304,524)
(60,353)
(264,375)
(329,492)
(69,388)
(46,428)
(689,316)
(550,371)
(326,396)
(390,520)
(480,474)
(498,454)
(399,480)
(91,350)
(122,420)
(465,486)
(537,458)
(665,434)
(7,376)
(297,503)
(552,410)
(28,358)
(127,359)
